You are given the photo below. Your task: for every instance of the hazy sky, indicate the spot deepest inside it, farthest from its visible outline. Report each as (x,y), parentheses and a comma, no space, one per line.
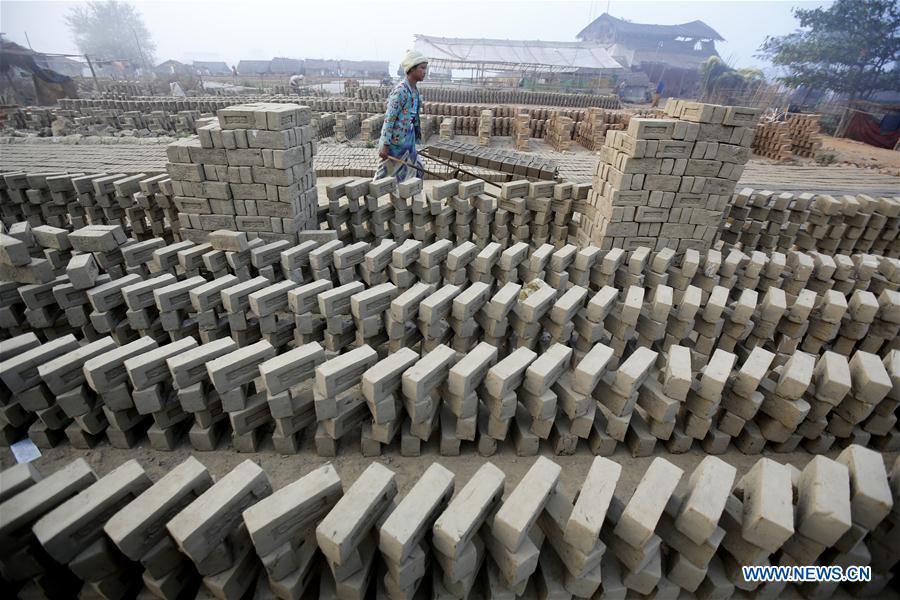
(383,29)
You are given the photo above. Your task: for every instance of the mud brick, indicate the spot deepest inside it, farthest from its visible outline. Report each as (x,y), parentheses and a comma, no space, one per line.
(546,369)
(13,251)
(640,516)
(189,368)
(106,371)
(177,295)
(239,574)
(708,489)
(428,373)
(582,529)
(240,367)
(383,379)
(65,372)
(343,372)
(236,299)
(796,375)
(208,296)
(752,372)
(282,372)
(26,507)
(538,299)
(97,238)
(140,253)
(351,520)
(768,517)
(18,344)
(374,301)
(871,382)
(272,299)
(512,522)
(407,525)
(250,418)
(870,500)
(304,299)
(553,522)
(18,478)
(140,295)
(151,368)
(20,372)
(466,375)
(73,525)
(438,305)
(823,504)
(288,515)
(591,368)
(459,523)
(336,301)
(205,523)
(632,373)
(507,375)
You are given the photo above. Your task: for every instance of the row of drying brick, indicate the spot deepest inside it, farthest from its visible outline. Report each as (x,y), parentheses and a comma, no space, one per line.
(806,301)
(122,532)
(485,393)
(459,211)
(764,220)
(141,204)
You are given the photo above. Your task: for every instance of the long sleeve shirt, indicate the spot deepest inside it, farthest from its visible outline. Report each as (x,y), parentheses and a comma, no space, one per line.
(399,130)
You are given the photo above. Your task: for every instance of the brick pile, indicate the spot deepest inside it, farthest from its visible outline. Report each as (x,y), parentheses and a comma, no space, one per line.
(803,130)
(252,171)
(645,328)
(521,131)
(187,534)
(559,132)
(485,127)
(763,220)
(665,183)
(370,128)
(346,126)
(773,140)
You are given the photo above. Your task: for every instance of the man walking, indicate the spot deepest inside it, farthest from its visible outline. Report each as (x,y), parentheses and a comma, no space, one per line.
(397,145)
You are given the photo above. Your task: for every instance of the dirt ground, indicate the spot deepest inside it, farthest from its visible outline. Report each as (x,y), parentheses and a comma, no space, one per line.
(862,155)
(284,469)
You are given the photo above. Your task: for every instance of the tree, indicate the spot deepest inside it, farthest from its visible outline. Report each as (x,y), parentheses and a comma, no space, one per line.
(717,78)
(112,30)
(851,47)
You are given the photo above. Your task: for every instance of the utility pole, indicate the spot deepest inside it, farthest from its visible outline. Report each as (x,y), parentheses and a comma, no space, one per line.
(29,41)
(140,49)
(93,73)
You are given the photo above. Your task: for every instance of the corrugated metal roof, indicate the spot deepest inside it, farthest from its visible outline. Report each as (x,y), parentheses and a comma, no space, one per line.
(499,55)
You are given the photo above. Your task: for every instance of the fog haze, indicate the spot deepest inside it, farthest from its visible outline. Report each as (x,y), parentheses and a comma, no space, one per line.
(383,30)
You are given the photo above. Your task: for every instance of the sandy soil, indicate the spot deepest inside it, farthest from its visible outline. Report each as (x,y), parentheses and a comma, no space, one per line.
(863,155)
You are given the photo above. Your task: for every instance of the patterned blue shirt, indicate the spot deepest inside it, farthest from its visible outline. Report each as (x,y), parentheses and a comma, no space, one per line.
(399,129)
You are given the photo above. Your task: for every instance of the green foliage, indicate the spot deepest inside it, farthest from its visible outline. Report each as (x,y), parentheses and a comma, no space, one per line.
(716,76)
(111,30)
(851,47)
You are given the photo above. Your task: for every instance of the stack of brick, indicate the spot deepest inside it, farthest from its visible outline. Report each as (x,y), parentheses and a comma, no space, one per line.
(238,535)
(282,529)
(772,139)
(347,536)
(690,528)
(26,394)
(617,392)
(371,128)
(447,128)
(847,223)
(339,404)
(403,537)
(252,172)
(559,131)
(803,131)
(72,533)
(485,126)
(138,530)
(630,532)
(346,126)
(521,131)
(236,378)
(197,395)
(666,182)
(211,532)
(459,548)
(660,399)
(421,386)
(882,542)
(591,132)
(741,401)
(29,497)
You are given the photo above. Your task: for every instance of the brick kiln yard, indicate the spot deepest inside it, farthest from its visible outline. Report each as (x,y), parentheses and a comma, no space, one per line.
(611,369)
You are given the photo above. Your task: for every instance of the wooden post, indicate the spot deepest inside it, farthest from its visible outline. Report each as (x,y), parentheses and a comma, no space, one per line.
(93,74)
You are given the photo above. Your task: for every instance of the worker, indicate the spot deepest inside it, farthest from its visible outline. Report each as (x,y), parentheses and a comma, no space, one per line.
(401,123)
(296,81)
(658,94)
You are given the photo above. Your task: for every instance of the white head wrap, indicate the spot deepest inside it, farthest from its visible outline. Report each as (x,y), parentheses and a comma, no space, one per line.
(412,59)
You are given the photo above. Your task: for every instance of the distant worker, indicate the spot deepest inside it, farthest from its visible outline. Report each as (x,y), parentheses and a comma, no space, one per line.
(658,94)
(296,81)
(401,123)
